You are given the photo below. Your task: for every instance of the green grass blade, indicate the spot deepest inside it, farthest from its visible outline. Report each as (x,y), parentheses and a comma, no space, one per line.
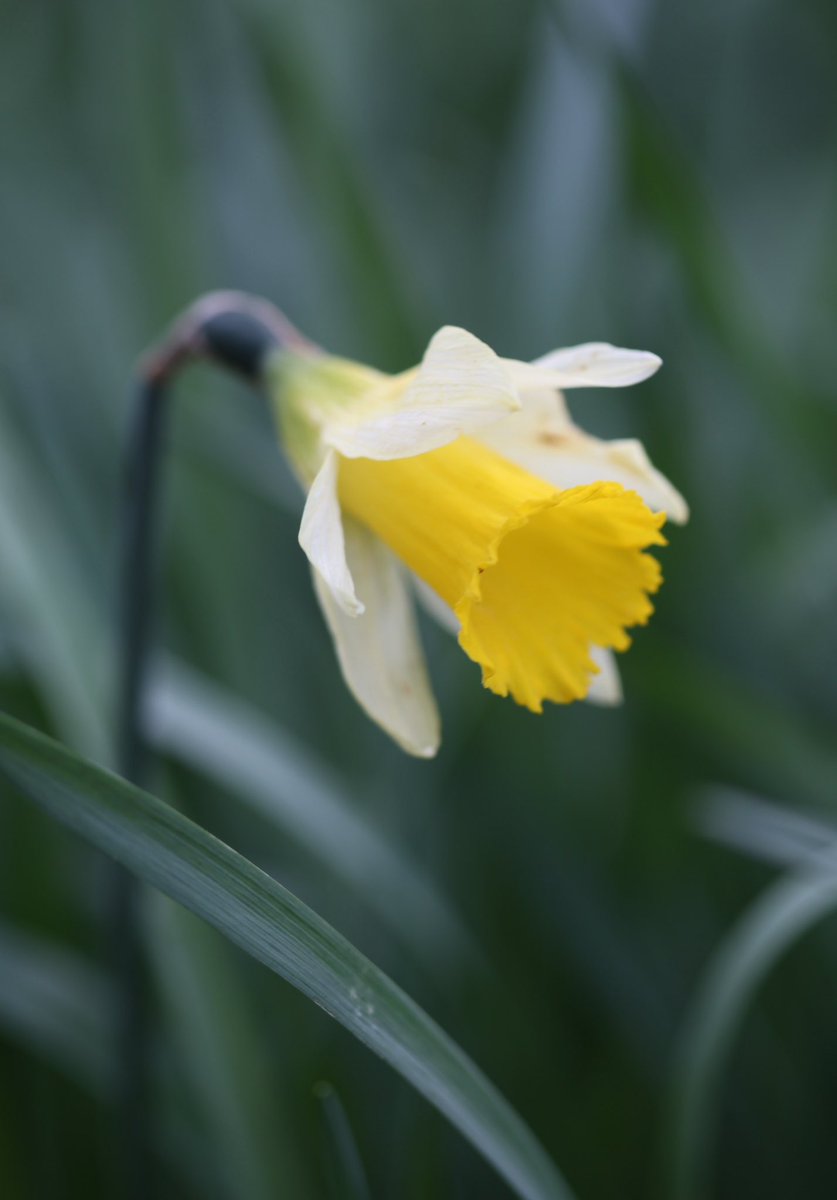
(345,1166)
(227,740)
(57,1005)
(760,739)
(62,641)
(764,829)
(778,918)
(186,863)
(211,1025)
(42,586)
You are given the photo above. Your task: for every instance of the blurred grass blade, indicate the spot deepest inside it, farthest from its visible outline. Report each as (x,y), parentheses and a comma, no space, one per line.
(225,739)
(782,915)
(762,740)
(64,642)
(347,1175)
(212,1025)
(765,830)
(57,1005)
(43,586)
(186,863)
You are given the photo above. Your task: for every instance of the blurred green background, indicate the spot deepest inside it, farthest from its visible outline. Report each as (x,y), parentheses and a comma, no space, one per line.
(553,890)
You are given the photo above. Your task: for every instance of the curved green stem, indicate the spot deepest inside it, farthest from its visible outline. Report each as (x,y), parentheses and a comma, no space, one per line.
(237,332)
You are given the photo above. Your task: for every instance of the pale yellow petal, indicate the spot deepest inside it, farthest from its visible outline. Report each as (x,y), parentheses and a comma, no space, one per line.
(543,439)
(321,537)
(606,684)
(595,364)
(379,651)
(460,386)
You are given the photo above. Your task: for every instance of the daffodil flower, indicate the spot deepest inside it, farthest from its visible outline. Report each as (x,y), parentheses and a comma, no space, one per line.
(526,535)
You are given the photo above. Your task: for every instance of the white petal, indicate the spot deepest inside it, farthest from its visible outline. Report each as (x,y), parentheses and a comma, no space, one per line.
(606,686)
(629,465)
(460,386)
(379,652)
(595,364)
(321,537)
(581,459)
(544,441)
(543,420)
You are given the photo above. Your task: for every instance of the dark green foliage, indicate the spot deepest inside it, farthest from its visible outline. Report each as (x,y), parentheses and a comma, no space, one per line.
(653,174)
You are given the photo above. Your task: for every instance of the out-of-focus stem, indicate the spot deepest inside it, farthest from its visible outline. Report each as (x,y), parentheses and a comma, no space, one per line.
(238,332)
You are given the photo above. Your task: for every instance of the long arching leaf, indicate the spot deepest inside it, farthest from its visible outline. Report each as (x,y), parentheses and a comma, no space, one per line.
(777,919)
(185,862)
